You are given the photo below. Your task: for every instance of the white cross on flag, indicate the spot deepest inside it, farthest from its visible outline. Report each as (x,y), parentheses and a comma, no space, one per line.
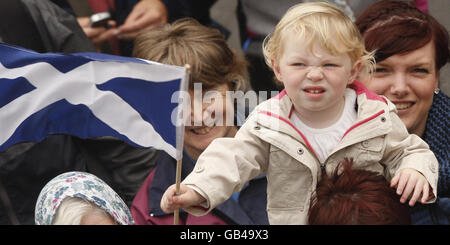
(89,95)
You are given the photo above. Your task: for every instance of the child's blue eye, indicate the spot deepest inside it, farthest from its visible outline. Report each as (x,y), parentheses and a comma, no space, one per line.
(330,65)
(299,64)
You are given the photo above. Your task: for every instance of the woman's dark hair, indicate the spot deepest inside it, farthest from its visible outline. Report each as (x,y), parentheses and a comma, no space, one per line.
(356,197)
(393,27)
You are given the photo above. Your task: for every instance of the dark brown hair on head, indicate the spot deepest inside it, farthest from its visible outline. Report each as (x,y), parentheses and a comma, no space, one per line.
(356,197)
(394,27)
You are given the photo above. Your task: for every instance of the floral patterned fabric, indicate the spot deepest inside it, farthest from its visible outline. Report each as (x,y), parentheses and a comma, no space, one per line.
(82,185)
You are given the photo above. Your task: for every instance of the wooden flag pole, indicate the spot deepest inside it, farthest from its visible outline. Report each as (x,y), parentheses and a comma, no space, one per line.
(176,213)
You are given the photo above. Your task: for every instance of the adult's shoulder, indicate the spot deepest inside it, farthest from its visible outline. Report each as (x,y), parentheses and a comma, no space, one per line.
(438,116)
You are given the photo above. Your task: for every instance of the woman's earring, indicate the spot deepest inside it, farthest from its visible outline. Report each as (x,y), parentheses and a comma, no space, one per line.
(437,90)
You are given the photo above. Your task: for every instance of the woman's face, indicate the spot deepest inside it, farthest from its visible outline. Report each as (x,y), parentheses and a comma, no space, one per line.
(210,113)
(409,81)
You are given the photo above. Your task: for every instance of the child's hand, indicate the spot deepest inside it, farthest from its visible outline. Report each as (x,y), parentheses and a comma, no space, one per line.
(410,182)
(187,198)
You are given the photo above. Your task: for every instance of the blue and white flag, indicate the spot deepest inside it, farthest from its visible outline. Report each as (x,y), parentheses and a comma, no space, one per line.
(89,95)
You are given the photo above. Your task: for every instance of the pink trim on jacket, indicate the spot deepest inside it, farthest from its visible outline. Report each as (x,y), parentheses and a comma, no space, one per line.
(280,95)
(363,121)
(356,85)
(422,5)
(290,124)
(361,89)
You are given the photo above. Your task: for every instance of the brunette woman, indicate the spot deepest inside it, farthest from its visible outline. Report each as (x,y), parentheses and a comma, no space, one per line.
(411,47)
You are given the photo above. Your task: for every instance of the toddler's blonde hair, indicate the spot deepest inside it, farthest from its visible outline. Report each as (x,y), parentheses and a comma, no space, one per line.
(322,23)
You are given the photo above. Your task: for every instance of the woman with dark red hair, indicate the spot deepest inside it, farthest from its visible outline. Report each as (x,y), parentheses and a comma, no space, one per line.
(356,197)
(411,47)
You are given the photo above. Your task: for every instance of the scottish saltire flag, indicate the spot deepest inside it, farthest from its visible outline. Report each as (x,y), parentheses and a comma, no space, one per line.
(88,95)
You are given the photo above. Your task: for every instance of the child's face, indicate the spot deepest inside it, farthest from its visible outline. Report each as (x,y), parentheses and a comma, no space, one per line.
(314,82)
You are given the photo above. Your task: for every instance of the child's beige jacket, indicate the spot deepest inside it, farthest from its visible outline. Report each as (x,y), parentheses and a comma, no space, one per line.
(268,142)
